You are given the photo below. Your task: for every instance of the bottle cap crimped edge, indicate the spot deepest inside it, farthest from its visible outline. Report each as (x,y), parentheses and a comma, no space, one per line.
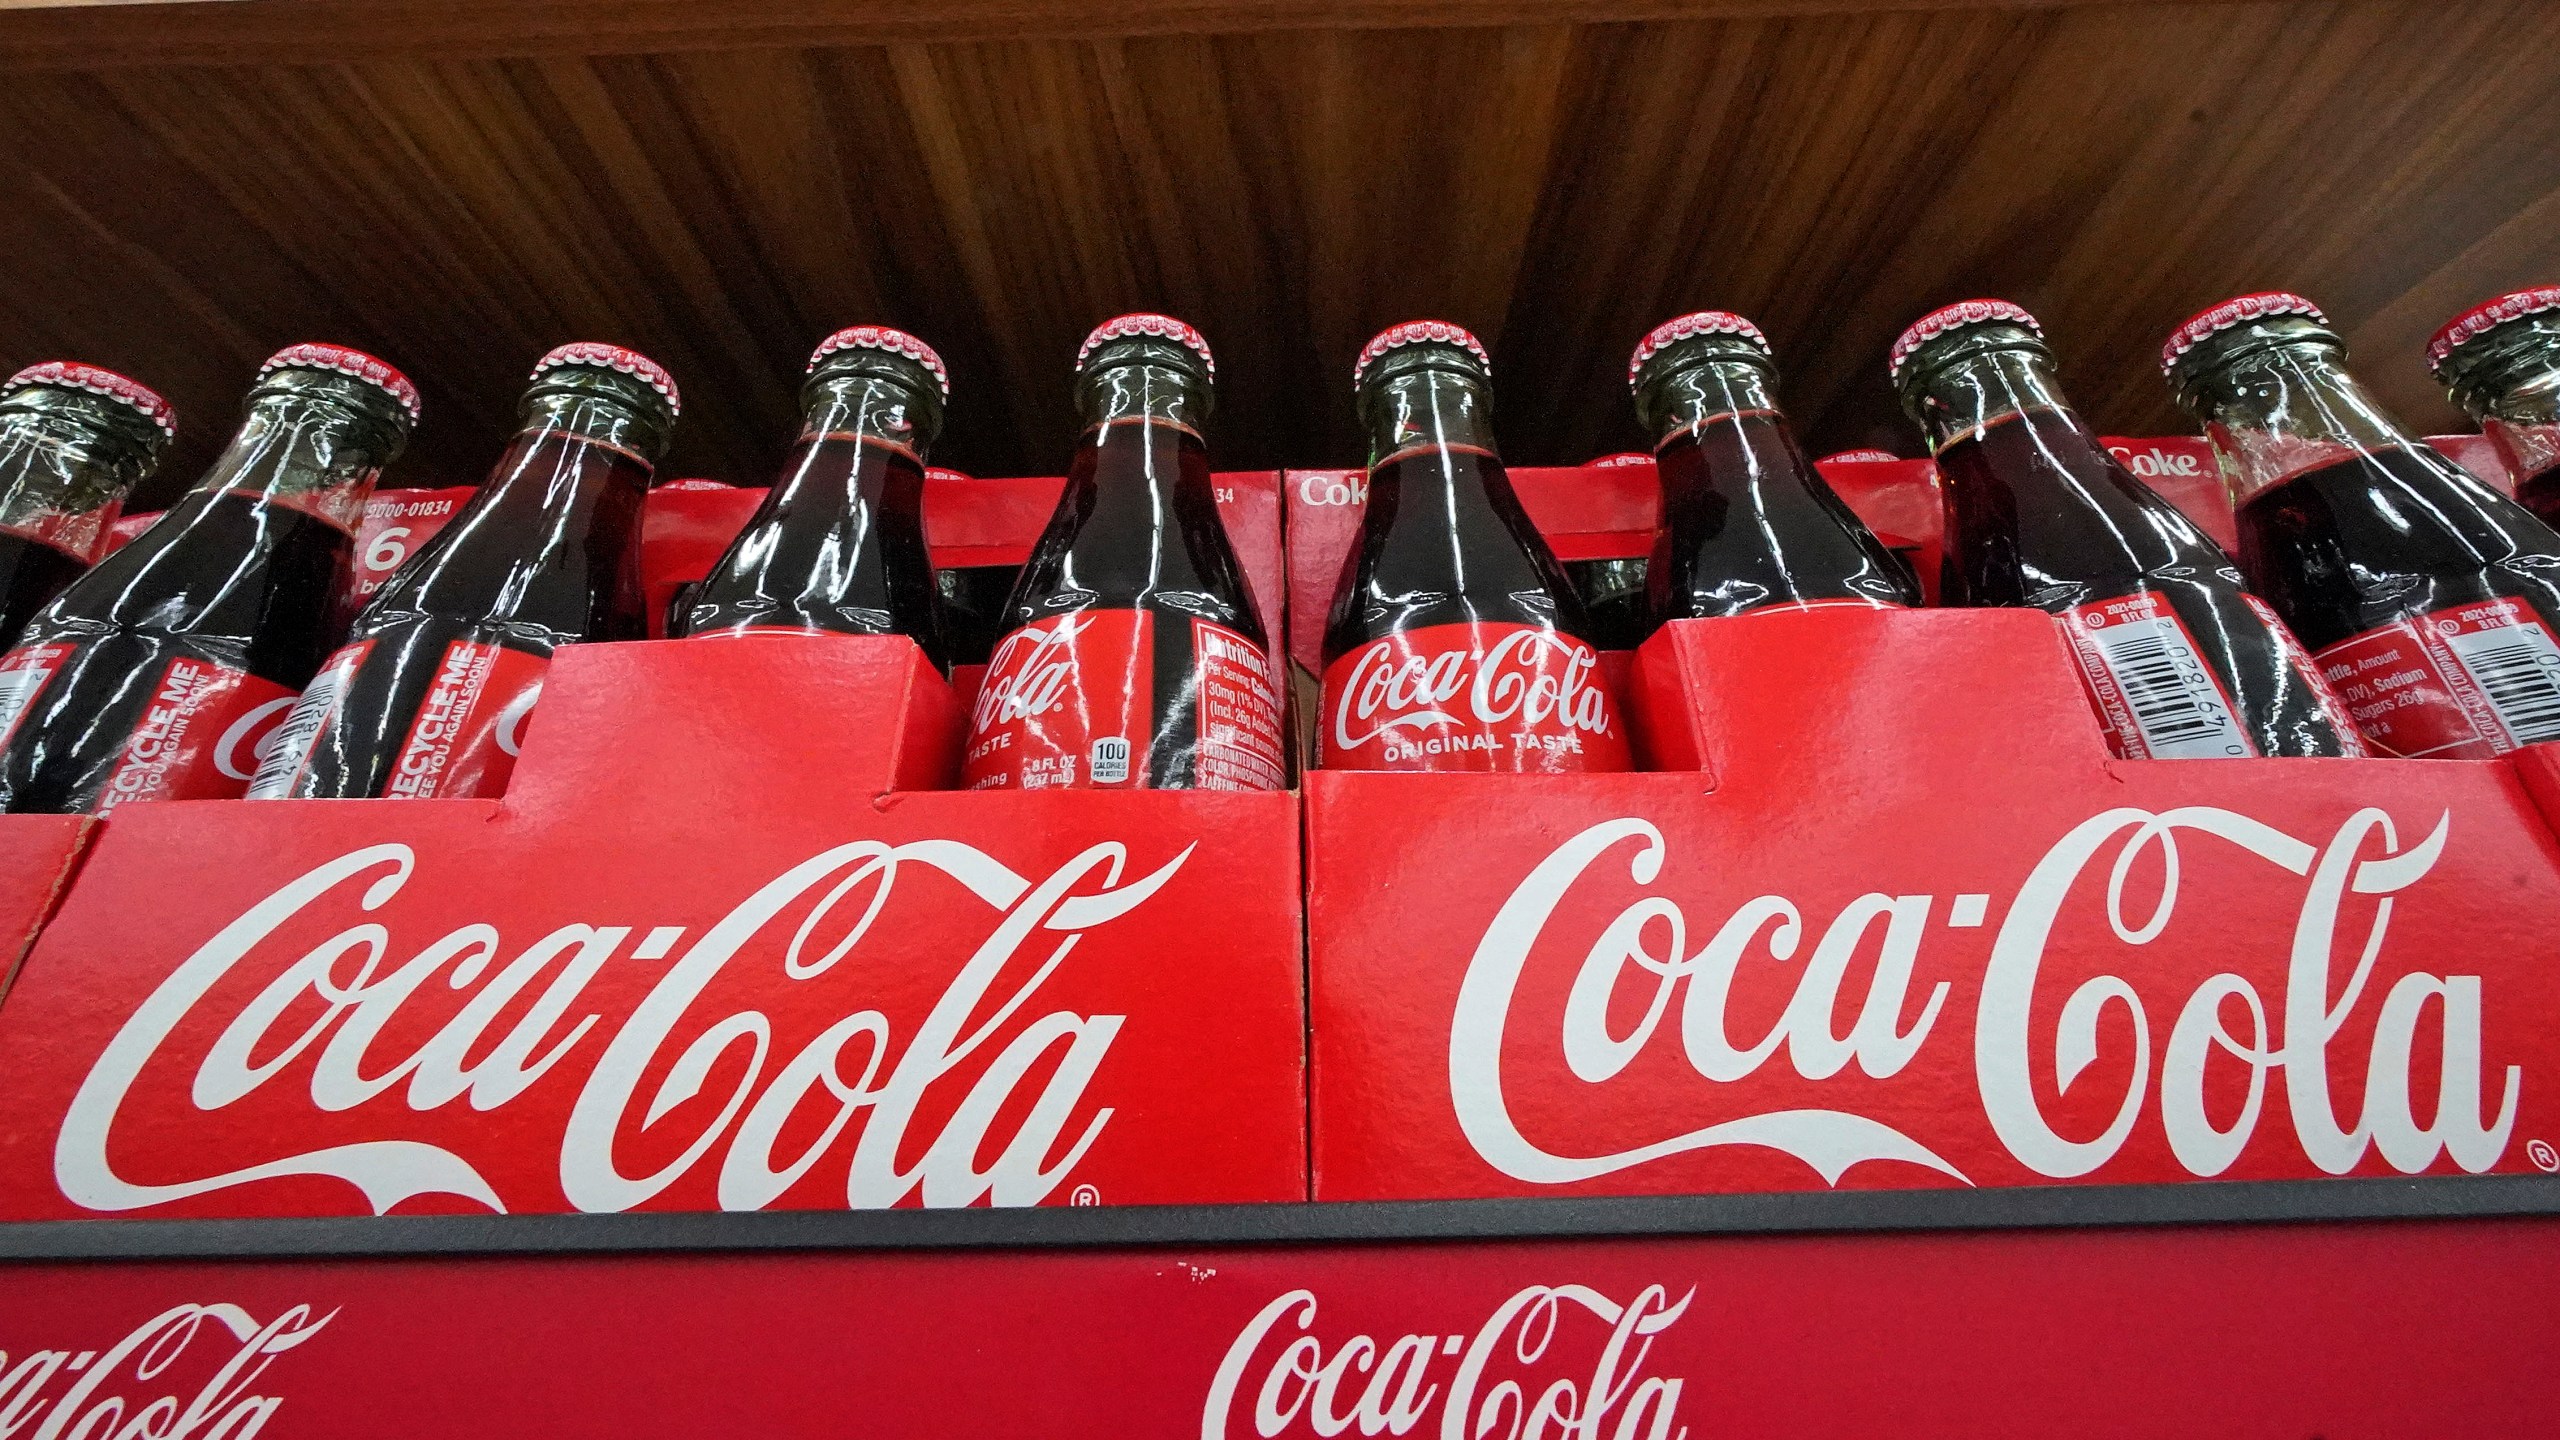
(1148,323)
(2238,310)
(613,357)
(1951,317)
(883,338)
(107,384)
(2486,316)
(350,362)
(1695,323)
(1417,332)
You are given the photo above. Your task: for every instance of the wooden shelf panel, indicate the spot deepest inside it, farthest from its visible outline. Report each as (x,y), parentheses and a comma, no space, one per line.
(1557,186)
(92,34)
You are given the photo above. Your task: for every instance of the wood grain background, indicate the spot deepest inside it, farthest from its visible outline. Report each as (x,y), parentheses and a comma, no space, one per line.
(182,201)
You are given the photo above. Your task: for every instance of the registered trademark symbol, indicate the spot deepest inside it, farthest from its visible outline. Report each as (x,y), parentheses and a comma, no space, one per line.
(2544,1157)
(1087,1195)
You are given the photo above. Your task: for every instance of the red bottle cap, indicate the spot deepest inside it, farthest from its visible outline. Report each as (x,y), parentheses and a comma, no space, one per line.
(2239,310)
(2486,316)
(613,357)
(1859,457)
(1949,317)
(352,363)
(1417,332)
(72,375)
(1162,327)
(1702,322)
(881,337)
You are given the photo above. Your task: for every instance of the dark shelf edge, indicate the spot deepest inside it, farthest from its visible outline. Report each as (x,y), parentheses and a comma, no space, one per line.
(1365,1222)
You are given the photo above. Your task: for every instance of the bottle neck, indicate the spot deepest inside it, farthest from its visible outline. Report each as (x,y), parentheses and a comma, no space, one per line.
(1961,399)
(573,406)
(2274,411)
(2509,381)
(1427,409)
(303,451)
(864,407)
(62,456)
(1142,394)
(1679,405)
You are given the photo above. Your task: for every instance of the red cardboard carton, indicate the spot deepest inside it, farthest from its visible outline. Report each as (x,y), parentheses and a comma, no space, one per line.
(38,854)
(724,944)
(1897,919)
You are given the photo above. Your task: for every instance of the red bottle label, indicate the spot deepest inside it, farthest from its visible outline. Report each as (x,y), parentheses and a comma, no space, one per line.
(461,743)
(1472,697)
(1066,702)
(199,735)
(2467,682)
(1240,745)
(2151,683)
(467,732)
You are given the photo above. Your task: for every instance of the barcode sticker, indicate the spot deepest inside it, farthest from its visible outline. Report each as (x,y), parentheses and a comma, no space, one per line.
(2160,700)
(2518,667)
(22,674)
(301,733)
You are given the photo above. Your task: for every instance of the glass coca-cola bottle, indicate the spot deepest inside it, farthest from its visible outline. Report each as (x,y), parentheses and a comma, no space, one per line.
(1747,523)
(838,544)
(161,673)
(430,695)
(2428,597)
(2180,661)
(1455,641)
(74,440)
(2500,360)
(1133,656)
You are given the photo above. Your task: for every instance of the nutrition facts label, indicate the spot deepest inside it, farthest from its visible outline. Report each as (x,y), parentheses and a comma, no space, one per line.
(1239,713)
(2466,682)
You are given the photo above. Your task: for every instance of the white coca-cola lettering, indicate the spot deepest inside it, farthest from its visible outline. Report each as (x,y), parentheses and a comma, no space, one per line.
(1395,1389)
(112,1392)
(2153,462)
(1028,674)
(510,737)
(252,738)
(1647,943)
(357,1001)
(1318,488)
(1390,689)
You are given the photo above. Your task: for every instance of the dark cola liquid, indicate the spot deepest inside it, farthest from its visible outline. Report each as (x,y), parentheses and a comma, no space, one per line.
(1748,523)
(972,600)
(838,545)
(545,556)
(2350,547)
(2043,517)
(1137,528)
(31,574)
(224,578)
(2540,493)
(1614,602)
(1445,542)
